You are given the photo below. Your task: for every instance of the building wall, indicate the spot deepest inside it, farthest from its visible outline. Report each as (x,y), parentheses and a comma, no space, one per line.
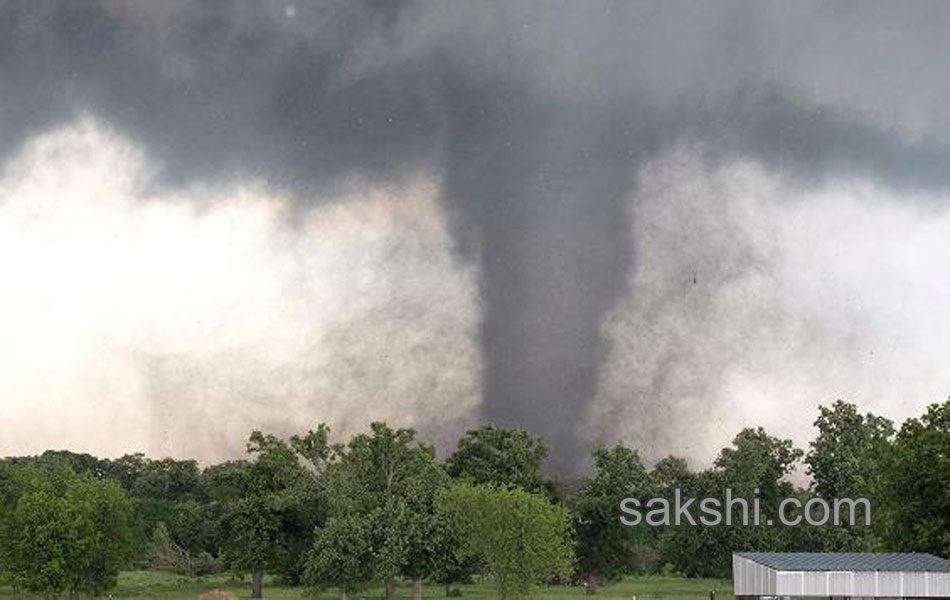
(752,579)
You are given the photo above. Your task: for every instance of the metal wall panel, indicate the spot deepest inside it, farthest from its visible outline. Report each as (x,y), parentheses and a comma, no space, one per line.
(889,584)
(865,584)
(840,583)
(753,579)
(789,583)
(815,583)
(915,584)
(938,584)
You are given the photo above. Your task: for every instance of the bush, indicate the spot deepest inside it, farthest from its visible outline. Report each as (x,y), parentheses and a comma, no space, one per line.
(206,564)
(165,555)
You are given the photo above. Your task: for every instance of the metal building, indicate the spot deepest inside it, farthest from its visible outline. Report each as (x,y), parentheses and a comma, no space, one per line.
(848,575)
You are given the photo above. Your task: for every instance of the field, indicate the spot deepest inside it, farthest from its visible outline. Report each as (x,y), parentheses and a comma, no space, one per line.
(141,585)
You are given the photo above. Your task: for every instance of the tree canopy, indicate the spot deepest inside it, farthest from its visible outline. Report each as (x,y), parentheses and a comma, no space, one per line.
(380,507)
(522,538)
(509,457)
(64,532)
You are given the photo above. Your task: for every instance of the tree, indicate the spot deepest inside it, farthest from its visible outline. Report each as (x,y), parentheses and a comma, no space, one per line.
(606,550)
(255,520)
(754,467)
(163,491)
(8,495)
(451,564)
(388,475)
(668,474)
(759,460)
(846,460)
(406,541)
(316,451)
(169,479)
(48,543)
(78,463)
(843,458)
(916,484)
(342,555)
(697,551)
(195,525)
(108,508)
(65,532)
(506,457)
(521,538)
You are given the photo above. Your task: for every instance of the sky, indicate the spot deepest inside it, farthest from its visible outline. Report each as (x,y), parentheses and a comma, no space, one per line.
(643,222)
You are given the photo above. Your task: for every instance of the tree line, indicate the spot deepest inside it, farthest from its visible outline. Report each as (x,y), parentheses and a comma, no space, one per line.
(382,507)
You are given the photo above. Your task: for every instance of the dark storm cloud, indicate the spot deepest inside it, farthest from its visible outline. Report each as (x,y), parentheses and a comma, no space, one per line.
(815,143)
(217,89)
(537,117)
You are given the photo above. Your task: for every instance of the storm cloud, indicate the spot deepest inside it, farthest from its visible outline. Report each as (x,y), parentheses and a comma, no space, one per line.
(590,163)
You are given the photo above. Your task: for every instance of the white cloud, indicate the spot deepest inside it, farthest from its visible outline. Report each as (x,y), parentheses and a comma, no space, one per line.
(175,323)
(753,302)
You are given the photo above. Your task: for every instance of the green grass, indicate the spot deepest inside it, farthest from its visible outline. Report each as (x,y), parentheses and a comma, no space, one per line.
(142,585)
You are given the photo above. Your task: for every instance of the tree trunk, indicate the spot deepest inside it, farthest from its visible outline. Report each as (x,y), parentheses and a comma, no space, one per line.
(417,588)
(344,595)
(73,595)
(591,584)
(390,588)
(257,584)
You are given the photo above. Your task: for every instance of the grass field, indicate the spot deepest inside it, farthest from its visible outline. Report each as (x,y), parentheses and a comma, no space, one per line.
(142,585)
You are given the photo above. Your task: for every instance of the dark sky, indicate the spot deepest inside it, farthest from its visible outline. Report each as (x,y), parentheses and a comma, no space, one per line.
(589,164)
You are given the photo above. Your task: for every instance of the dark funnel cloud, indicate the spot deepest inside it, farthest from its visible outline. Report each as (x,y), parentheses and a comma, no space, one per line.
(540,194)
(536,117)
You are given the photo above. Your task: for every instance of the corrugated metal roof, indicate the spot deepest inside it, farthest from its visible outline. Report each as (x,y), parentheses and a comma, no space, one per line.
(849,561)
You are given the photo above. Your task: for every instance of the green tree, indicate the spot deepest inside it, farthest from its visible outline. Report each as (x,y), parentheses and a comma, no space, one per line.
(8,495)
(522,538)
(169,479)
(606,550)
(195,525)
(224,482)
(754,467)
(162,490)
(78,463)
(254,523)
(256,535)
(697,551)
(48,543)
(316,452)
(668,474)
(846,460)
(843,458)
(757,460)
(342,555)
(452,564)
(405,541)
(64,532)
(507,457)
(387,474)
(915,494)
(108,508)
